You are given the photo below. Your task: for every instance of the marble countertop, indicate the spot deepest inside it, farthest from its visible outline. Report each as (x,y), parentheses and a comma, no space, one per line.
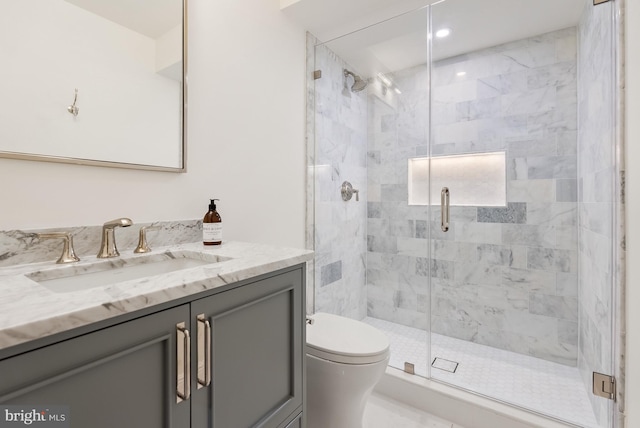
(29,310)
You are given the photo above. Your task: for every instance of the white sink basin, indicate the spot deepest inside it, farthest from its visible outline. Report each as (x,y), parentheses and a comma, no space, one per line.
(111,271)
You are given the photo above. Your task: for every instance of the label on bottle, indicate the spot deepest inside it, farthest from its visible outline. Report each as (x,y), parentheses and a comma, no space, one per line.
(211,232)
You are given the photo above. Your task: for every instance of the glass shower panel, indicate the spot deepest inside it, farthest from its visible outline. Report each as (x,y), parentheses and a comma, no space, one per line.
(372,254)
(481,238)
(516,279)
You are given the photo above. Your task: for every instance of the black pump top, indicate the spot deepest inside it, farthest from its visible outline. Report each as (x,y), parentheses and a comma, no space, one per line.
(212,205)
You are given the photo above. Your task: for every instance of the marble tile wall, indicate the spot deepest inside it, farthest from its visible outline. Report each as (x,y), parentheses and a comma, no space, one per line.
(597,196)
(502,276)
(398,263)
(22,246)
(339,154)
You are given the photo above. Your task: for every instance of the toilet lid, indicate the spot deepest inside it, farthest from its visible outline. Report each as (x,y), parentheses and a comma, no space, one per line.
(344,340)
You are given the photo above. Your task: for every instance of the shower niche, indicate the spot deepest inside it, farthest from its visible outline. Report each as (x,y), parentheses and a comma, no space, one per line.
(521,288)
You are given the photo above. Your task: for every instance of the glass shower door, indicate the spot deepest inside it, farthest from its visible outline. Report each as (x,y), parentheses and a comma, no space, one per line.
(521,259)
(483,237)
(392,109)
(397,228)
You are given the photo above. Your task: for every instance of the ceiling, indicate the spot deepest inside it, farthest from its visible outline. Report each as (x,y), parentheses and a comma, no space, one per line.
(328,19)
(401,42)
(153,18)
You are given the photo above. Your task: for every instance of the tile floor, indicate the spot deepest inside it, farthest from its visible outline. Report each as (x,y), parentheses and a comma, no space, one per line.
(383,412)
(532,383)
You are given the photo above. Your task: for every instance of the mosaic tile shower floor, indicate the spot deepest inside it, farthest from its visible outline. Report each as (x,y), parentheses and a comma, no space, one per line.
(542,386)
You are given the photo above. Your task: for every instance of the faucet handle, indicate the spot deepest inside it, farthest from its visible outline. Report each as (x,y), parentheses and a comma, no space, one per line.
(347,192)
(68,254)
(143,247)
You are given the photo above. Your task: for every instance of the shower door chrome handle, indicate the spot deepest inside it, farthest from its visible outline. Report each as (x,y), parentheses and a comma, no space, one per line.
(444,209)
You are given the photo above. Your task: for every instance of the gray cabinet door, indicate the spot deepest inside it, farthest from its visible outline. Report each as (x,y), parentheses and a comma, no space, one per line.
(296,423)
(122,376)
(257,337)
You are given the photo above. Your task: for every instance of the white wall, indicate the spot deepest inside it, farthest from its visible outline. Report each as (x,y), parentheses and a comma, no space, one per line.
(245,141)
(633,212)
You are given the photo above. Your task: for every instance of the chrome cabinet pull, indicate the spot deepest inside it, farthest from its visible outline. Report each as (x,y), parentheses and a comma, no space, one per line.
(204,365)
(444,209)
(183,370)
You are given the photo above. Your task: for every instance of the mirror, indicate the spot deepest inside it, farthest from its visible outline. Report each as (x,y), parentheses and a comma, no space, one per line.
(94,82)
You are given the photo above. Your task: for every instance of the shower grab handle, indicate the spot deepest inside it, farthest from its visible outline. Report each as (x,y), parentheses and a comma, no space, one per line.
(444,209)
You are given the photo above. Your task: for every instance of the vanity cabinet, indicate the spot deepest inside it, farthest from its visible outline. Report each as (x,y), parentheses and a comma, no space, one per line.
(225,359)
(255,355)
(121,376)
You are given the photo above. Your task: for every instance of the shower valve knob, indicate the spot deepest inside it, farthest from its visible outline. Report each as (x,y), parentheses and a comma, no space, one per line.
(347,192)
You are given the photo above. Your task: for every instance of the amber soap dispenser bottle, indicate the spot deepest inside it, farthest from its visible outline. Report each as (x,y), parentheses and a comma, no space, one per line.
(212,226)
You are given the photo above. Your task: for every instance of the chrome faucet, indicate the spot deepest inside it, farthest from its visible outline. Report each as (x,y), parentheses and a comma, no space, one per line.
(108,247)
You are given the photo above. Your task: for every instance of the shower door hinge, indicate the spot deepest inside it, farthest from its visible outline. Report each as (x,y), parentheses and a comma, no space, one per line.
(317,74)
(604,386)
(409,368)
(595,2)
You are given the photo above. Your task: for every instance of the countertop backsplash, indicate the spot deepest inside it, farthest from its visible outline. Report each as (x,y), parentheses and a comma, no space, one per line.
(19,247)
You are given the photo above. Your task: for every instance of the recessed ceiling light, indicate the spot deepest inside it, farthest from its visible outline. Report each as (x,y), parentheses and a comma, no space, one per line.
(398,91)
(443,32)
(461,73)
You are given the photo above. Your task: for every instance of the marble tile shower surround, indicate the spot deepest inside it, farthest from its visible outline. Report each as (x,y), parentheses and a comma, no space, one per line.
(340,155)
(523,294)
(507,276)
(22,247)
(397,233)
(597,196)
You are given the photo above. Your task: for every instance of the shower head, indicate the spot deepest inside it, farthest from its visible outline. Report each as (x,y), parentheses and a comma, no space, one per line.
(358,83)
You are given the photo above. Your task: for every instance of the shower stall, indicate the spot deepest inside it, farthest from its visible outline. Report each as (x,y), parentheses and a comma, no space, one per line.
(482,226)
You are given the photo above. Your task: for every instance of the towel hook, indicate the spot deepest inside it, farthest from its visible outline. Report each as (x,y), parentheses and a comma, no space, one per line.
(73,109)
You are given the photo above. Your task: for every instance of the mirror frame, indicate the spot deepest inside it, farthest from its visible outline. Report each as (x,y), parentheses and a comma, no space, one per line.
(183,125)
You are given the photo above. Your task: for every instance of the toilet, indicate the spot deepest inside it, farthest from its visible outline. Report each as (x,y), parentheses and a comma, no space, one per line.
(345,360)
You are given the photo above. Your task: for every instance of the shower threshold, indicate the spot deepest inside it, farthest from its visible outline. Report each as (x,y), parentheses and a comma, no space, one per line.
(542,386)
